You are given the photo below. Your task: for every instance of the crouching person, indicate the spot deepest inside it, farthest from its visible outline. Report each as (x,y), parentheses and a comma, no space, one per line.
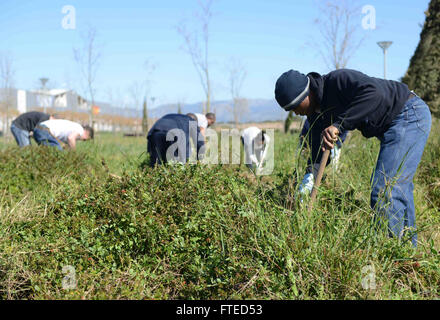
(347,100)
(169,139)
(24,124)
(57,132)
(255,142)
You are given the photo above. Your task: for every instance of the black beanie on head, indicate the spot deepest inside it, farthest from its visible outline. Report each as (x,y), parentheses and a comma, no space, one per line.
(291,89)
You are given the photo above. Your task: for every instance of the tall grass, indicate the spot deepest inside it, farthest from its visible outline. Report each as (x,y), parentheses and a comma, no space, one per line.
(206,231)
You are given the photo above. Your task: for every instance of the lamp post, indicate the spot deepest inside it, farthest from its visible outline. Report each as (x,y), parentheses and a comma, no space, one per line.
(385,45)
(44,90)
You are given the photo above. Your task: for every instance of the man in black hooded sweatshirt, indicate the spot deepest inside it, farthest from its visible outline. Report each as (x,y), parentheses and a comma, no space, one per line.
(346,100)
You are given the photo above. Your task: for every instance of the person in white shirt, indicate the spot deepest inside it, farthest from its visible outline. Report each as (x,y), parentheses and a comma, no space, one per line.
(255,143)
(205,121)
(58,131)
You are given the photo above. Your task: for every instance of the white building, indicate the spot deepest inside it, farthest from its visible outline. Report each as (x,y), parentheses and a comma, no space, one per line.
(61,100)
(22,101)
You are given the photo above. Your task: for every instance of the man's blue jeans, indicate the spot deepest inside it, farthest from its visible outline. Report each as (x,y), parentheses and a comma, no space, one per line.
(401,150)
(21,136)
(45,138)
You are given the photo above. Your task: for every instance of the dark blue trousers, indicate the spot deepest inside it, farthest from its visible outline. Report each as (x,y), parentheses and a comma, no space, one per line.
(178,148)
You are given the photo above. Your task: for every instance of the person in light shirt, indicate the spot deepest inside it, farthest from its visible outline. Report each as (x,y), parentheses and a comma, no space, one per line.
(58,131)
(205,121)
(24,125)
(255,142)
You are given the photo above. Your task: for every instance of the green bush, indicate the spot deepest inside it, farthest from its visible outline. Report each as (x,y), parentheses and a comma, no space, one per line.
(202,232)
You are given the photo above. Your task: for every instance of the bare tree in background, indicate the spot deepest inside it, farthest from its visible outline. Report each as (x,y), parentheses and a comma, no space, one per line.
(180,104)
(145,126)
(87,59)
(237,74)
(140,91)
(197,46)
(149,68)
(137,91)
(7,73)
(118,101)
(111,99)
(339,23)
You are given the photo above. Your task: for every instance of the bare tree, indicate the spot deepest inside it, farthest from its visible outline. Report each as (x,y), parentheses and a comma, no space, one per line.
(147,83)
(111,100)
(180,104)
(237,74)
(7,74)
(87,59)
(339,23)
(197,46)
(145,124)
(137,91)
(117,101)
(141,91)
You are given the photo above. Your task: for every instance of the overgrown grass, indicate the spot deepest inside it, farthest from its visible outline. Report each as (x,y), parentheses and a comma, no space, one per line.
(205,232)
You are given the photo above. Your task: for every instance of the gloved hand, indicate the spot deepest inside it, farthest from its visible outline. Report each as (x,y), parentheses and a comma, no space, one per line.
(335,154)
(306,185)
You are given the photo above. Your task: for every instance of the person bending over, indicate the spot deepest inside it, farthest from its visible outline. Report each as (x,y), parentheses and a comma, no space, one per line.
(57,132)
(24,125)
(347,99)
(255,142)
(169,139)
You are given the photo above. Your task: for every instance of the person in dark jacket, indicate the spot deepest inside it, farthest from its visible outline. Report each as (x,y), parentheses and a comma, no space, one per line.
(24,124)
(346,100)
(169,139)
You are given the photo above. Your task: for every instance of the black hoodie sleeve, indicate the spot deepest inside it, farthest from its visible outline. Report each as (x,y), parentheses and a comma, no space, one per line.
(360,93)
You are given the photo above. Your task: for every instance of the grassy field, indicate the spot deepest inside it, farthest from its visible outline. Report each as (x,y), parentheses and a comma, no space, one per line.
(122,231)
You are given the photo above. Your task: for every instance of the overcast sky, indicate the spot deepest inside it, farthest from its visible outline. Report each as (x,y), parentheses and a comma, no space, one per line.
(269,37)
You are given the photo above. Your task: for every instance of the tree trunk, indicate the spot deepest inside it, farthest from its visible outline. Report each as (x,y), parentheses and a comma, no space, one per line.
(145,118)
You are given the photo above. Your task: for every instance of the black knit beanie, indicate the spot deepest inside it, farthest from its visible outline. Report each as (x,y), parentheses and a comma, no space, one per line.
(291,89)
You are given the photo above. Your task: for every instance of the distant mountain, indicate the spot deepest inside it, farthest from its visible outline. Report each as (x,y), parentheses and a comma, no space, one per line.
(259,110)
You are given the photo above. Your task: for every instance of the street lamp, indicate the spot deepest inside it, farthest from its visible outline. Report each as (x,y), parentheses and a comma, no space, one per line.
(43,82)
(44,90)
(385,45)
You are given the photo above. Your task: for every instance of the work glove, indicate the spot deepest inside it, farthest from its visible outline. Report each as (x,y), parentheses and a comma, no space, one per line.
(306,185)
(335,154)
